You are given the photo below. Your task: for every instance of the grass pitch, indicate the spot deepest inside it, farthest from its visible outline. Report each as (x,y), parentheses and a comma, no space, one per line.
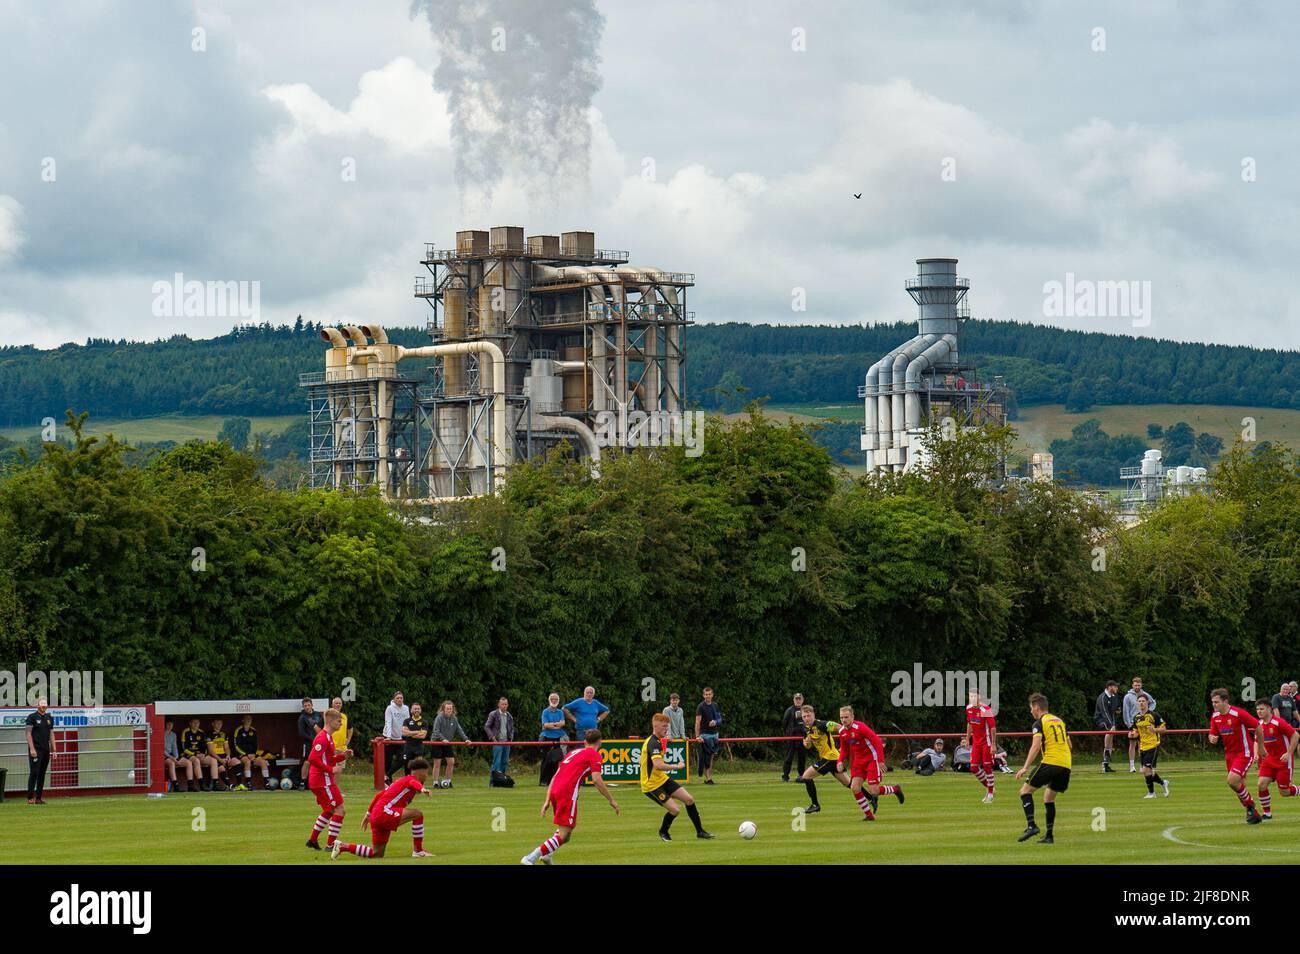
(1103,819)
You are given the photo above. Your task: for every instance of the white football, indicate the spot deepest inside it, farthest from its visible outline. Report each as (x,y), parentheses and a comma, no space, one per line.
(748,830)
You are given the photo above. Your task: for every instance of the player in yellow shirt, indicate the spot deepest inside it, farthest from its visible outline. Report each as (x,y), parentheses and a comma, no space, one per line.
(1052,740)
(820,737)
(1147,728)
(219,749)
(343,737)
(658,787)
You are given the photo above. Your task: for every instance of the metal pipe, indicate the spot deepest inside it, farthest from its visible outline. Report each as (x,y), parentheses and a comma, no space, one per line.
(334,337)
(899,374)
(945,346)
(375,332)
(353,332)
(584,432)
(501,437)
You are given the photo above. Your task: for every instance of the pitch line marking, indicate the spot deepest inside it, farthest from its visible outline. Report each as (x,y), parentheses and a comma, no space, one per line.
(1169,833)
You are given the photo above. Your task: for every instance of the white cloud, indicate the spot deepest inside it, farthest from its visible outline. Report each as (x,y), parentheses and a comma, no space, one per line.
(396,104)
(11,233)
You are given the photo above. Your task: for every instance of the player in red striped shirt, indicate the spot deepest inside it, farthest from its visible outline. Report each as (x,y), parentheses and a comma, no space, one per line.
(324,761)
(562,797)
(863,750)
(1278,740)
(982,725)
(389,810)
(1235,728)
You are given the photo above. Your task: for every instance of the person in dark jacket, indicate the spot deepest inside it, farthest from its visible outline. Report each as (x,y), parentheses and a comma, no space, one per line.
(500,728)
(1105,714)
(792,724)
(309,723)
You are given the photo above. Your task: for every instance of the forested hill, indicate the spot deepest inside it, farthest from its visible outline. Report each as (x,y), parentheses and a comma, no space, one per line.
(254,370)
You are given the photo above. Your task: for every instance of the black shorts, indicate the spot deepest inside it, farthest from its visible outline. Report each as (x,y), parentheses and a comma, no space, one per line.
(1055,777)
(663,792)
(442,752)
(1150,757)
(824,766)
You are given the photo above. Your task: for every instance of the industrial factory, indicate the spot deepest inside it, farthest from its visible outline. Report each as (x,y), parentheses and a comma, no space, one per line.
(533,341)
(924,379)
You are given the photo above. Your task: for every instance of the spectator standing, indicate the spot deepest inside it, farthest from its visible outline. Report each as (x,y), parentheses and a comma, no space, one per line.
(415,732)
(961,756)
(395,717)
(792,724)
(1131,713)
(343,737)
(708,726)
(1284,704)
(587,713)
(40,749)
(553,732)
(676,717)
(1104,715)
(310,722)
(500,727)
(446,728)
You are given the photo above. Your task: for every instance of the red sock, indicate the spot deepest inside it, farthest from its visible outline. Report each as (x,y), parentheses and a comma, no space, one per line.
(1265,802)
(1291,791)
(336,825)
(361,851)
(417,835)
(319,827)
(863,804)
(1245,798)
(889,790)
(550,846)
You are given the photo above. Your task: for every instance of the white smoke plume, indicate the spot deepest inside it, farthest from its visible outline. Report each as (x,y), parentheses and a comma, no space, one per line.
(519,76)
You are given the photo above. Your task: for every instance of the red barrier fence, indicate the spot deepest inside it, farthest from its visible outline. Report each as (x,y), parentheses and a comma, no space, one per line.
(378,745)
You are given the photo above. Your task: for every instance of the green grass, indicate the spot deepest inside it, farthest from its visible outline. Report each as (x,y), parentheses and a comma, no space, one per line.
(942,821)
(170,427)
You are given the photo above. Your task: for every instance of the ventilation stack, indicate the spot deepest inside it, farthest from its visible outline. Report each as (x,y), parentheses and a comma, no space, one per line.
(923,380)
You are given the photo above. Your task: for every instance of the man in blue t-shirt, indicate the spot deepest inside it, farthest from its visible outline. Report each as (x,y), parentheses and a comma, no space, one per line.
(553,732)
(587,713)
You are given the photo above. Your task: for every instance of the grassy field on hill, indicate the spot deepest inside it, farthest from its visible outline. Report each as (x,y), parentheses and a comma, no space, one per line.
(1102,820)
(1040,425)
(168,427)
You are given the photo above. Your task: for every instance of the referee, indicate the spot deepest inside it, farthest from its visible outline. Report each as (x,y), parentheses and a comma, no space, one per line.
(40,746)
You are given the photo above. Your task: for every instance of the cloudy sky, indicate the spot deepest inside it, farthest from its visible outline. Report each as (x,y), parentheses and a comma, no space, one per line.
(312,147)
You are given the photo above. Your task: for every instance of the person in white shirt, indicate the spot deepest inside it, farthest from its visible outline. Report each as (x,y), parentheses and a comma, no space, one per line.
(394,716)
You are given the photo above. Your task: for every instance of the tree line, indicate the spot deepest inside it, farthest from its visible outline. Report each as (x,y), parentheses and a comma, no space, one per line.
(757,568)
(254,370)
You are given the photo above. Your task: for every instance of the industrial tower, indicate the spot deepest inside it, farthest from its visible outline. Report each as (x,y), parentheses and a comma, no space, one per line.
(532,341)
(924,379)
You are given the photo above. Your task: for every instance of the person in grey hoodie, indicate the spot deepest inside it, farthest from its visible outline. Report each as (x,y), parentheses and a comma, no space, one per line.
(1131,712)
(446,728)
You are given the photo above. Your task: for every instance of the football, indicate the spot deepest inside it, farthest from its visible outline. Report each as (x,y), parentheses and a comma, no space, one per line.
(748,830)
(286,784)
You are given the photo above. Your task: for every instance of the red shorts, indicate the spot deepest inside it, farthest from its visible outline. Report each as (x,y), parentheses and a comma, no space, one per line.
(382,826)
(867,770)
(1277,770)
(566,812)
(981,755)
(1239,764)
(328,796)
